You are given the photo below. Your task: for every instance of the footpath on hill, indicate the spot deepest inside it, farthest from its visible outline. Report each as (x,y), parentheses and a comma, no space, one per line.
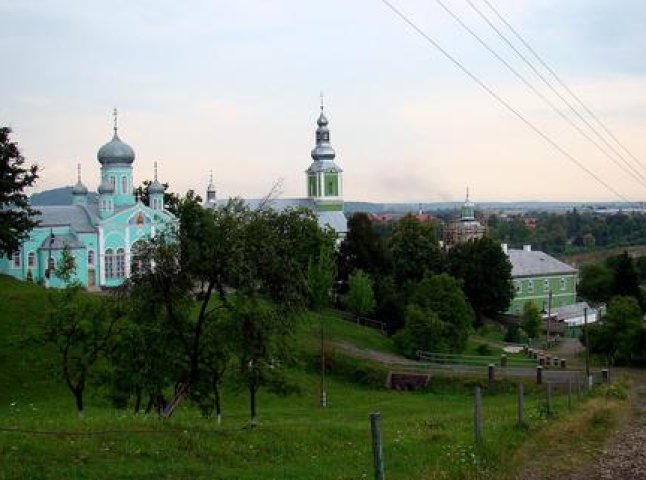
(620,456)
(623,456)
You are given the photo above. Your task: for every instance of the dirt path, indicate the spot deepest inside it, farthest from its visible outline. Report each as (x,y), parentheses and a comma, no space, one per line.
(373,355)
(624,455)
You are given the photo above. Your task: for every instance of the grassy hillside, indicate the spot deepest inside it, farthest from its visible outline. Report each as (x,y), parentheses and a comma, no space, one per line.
(426,434)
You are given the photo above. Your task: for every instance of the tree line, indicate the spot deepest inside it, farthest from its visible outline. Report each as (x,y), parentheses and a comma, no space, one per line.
(558,233)
(427,297)
(217,297)
(620,335)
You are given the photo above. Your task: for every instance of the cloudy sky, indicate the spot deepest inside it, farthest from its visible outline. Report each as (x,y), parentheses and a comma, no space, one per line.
(233,86)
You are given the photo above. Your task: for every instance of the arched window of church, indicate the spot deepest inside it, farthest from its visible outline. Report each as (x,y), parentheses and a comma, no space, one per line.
(31,260)
(16,259)
(113,182)
(140,219)
(124,184)
(90,258)
(109,263)
(138,264)
(121,263)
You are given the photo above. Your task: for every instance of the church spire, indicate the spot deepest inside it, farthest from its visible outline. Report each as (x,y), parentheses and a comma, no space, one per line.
(210,190)
(468,210)
(115,115)
(79,191)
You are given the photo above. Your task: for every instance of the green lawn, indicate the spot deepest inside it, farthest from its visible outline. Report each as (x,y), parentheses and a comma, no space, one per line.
(426,434)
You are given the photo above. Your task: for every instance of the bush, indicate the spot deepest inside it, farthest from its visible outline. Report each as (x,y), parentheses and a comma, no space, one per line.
(484,349)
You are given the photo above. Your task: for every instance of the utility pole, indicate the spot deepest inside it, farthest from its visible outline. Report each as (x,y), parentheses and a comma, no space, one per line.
(587,345)
(549,316)
(323,399)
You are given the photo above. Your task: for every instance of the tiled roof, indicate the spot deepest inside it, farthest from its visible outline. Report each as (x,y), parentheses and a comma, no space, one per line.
(531,263)
(79,218)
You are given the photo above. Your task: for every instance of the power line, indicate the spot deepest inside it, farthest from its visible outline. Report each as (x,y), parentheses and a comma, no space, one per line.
(549,85)
(562,83)
(486,88)
(635,175)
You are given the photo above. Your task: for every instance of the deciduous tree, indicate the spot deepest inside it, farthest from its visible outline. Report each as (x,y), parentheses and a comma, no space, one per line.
(361,298)
(485,272)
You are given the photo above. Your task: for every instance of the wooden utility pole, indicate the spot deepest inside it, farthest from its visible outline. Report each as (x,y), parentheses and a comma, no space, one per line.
(323,398)
(549,317)
(587,346)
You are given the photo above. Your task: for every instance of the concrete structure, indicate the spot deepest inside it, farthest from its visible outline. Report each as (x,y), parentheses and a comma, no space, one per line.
(540,279)
(101,237)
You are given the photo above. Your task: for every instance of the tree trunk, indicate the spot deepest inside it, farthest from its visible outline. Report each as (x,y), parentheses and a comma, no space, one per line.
(253,388)
(176,399)
(78,397)
(151,402)
(216,396)
(137,399)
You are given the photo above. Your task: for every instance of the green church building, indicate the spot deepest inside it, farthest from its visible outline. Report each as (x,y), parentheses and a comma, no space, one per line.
(324,185)
(103,236)
(540,279)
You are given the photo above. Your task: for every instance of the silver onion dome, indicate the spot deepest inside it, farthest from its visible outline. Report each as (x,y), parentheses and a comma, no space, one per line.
(155,188)
(116,152)
(79,189)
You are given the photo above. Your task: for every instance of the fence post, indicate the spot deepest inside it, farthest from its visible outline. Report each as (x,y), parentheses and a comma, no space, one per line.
(569,393)
(539,375)
(491,376)
(549,399)
(604,375)
(477,415)
(521,405)
(377,449)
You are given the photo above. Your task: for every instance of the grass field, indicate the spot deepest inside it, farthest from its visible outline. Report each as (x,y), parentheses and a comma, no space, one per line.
(426,434)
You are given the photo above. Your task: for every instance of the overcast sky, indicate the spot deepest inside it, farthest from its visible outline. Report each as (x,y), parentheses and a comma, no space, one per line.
(233,86)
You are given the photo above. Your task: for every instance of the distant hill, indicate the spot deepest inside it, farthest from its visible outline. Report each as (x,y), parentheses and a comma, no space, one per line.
(63,196)
(58,196)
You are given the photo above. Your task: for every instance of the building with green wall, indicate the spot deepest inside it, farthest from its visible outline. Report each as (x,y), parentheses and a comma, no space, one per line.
(540,279)
(324,185)
(102,237)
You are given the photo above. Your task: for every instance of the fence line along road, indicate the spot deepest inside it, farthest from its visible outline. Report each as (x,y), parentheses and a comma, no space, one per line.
(548,376)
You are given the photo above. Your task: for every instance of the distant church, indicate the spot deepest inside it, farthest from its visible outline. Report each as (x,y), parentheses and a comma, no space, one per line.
(102,237)
(324,185)
(465,228)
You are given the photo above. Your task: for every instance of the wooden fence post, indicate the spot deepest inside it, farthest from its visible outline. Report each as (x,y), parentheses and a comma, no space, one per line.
(549,399)
(477,415)
(491,376)
(569,394)
(605,377)
(539,375)
(377,449)
(521,405)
